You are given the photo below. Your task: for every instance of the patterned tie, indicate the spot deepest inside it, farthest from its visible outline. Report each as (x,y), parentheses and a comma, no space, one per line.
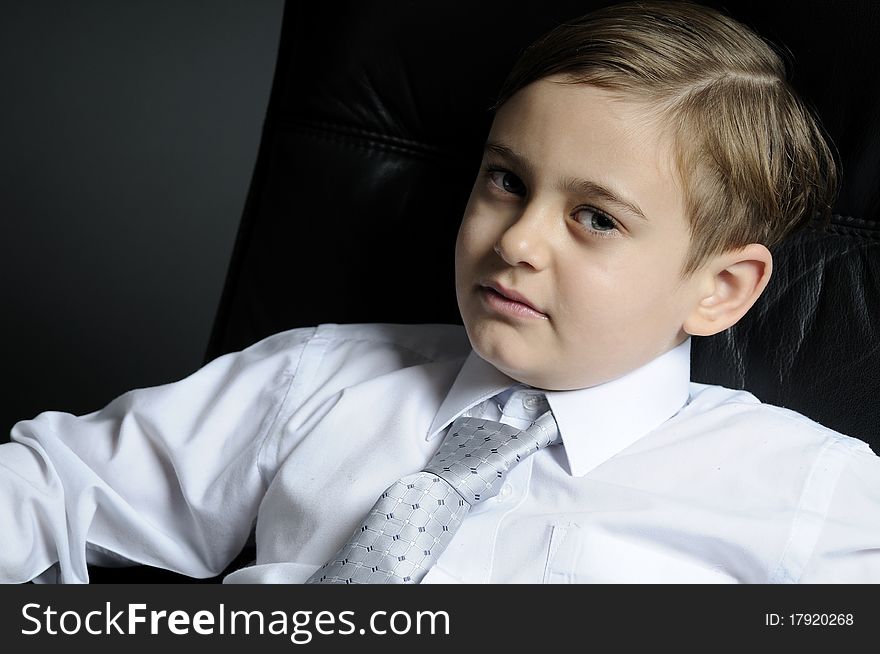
(415,519)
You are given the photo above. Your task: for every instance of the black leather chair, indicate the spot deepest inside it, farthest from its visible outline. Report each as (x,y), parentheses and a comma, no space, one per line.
(373,137)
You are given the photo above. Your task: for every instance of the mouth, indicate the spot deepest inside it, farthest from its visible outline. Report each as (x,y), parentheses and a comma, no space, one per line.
(509,302)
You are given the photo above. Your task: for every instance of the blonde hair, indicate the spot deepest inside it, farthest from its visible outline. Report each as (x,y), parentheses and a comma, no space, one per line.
(753,161)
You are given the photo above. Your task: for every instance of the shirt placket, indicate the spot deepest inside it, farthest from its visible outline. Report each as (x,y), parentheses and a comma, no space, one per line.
(471,555)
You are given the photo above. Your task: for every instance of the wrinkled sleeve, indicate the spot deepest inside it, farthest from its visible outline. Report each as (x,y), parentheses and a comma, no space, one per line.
(848,547)
(170,476)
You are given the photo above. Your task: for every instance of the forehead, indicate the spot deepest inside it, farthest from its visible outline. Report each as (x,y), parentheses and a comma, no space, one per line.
(579,131)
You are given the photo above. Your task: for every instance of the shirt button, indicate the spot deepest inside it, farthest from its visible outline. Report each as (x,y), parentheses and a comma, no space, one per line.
(531,401)
(505,492)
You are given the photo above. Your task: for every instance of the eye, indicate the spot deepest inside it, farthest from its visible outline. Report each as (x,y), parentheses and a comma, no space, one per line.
(596,221)
(505,180)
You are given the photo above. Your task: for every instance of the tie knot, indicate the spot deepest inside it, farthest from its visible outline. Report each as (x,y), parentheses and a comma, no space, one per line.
(477,454)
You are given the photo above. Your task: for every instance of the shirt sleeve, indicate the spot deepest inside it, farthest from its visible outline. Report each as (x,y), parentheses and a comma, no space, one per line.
(848,547)
(169,476)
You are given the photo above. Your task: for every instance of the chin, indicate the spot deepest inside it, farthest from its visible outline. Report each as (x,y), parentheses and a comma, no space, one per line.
(514,363)
(543,375)
(503,353)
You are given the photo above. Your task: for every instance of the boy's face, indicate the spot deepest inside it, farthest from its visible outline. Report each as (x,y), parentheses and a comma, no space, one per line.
(603,281)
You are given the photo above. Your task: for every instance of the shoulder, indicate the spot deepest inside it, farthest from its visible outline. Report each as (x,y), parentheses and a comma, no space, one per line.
(335,356)
(773,439)
(429,342)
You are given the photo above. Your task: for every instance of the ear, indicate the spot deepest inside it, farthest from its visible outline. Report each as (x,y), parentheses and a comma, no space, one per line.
(728,287)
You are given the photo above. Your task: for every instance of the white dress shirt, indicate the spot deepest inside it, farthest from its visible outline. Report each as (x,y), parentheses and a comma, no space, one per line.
(658,480)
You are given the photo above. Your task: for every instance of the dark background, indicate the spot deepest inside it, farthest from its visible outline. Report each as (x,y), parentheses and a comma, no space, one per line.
(128,135)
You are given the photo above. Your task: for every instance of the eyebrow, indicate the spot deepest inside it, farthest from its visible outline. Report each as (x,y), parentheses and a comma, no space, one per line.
(569,184)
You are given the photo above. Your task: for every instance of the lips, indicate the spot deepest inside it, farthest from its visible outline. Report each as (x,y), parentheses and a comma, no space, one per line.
(511,294)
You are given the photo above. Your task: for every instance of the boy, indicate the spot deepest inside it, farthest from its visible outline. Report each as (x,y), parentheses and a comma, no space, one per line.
(641,162)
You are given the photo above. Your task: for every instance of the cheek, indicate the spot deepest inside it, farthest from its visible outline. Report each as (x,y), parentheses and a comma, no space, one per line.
(587,301)
(467,251)
(612,298)
(474,236)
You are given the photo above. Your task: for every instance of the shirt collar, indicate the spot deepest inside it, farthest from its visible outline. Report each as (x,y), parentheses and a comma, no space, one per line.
(597,422)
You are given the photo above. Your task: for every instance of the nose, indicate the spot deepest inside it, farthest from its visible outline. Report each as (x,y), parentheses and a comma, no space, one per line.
(526,241)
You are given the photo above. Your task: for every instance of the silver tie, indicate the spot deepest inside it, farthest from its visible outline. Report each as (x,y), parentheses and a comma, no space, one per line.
(415,519)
